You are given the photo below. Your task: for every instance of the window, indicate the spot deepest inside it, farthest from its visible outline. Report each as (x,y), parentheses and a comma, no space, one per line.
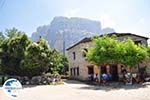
(74,55)
(84,52)
(71,71)
(138,42)
(77,70)
(74,70)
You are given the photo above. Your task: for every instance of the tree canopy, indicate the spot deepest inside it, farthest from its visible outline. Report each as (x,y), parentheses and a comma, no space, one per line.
(108,49)
(149,51)
(20,56)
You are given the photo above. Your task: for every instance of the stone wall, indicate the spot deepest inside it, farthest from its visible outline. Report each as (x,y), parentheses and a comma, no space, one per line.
(134,38)
(82,63)
(147,64)
(79,61)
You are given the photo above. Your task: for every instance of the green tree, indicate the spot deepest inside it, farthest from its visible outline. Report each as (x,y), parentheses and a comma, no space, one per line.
(36,61)
(149,51)
(110,50)
(20,56)
(2,37)
(131,54)
(9,33)
(12,52)
(58,62)
(40,59)
(104,50)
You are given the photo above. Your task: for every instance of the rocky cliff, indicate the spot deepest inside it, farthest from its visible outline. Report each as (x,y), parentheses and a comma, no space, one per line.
(63,32)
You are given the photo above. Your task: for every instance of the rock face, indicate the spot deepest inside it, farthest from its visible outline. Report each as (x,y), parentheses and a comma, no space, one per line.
(63,32)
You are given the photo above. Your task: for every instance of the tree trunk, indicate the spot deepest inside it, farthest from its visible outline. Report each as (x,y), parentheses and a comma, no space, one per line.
(138,68)
(3,80)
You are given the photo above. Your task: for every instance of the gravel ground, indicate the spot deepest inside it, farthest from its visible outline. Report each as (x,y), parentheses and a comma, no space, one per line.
(74,90)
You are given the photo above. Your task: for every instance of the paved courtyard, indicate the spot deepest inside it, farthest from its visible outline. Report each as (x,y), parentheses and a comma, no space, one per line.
(74,90)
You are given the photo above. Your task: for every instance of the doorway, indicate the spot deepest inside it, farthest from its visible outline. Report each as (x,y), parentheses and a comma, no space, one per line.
(114,72)
(103,69)
(90,70)
(91,73)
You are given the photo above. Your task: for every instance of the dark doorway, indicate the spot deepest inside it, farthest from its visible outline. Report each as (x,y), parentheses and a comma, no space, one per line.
(114,72)
(90,73)
(90,70)
(103,69)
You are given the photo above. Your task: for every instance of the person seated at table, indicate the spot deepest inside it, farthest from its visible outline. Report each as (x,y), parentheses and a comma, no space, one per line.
(104,77)
(96,77)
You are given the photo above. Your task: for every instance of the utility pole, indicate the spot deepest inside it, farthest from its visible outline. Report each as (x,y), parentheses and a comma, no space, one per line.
(64,47)
(63,40)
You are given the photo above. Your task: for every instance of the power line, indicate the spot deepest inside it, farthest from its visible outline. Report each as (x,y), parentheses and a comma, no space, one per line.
(2,4)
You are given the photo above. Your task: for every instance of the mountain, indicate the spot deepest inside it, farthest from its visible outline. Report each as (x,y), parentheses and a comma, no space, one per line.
(63,32)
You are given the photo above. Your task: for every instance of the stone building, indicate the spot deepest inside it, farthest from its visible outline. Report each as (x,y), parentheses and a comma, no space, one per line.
(79,68)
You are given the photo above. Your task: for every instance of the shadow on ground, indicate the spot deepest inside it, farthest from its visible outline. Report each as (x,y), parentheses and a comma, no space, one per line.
(24,86)
(29,86)
(106,87)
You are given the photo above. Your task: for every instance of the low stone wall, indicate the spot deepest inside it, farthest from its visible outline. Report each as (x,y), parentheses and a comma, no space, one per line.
(36,80)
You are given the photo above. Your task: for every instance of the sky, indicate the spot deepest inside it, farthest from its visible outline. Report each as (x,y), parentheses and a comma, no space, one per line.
(123,15)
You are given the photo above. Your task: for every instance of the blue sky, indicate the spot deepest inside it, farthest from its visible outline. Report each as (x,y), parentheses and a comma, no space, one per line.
(122,15)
